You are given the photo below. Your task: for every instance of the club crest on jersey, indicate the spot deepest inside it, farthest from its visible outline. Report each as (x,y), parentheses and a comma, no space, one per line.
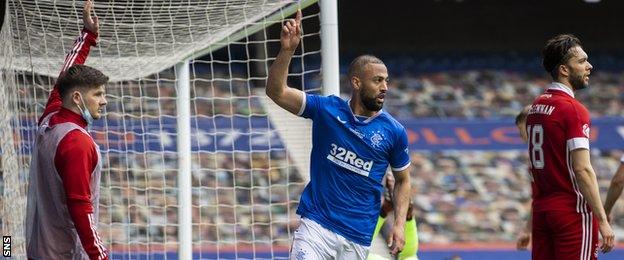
(586,130)
(376,139)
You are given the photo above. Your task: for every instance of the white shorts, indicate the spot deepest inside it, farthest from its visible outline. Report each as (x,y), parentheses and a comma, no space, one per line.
(312,241)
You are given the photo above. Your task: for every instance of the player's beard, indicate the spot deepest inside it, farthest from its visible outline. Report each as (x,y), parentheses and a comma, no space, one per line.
(578,83)
(370,102)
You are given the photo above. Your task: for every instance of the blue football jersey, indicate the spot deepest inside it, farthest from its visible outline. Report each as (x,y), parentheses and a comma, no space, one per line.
(348,161)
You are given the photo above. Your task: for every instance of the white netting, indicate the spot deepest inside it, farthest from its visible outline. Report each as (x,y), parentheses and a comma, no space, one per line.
(247,168)
(161,33)
(12,176)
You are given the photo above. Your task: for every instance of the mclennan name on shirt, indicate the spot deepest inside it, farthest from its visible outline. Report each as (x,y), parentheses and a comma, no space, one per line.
(541,109)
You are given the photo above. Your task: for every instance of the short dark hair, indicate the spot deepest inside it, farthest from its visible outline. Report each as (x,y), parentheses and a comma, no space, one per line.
(557,51)
(81,77)
(358,63)
(521,117)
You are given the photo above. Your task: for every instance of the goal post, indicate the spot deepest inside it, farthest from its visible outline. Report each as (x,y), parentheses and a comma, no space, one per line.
(183,105)
(196,162)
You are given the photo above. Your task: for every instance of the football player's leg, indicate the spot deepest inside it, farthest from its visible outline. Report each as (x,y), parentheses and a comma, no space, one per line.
(576,236)
(311,241)
(542,246)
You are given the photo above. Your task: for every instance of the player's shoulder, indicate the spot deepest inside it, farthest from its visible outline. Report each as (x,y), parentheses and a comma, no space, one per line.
(577,104)
(559,100)
(570,109)
(572,105)
(333,99)
(76,145)
(388,119)
(78,140)
(330,100)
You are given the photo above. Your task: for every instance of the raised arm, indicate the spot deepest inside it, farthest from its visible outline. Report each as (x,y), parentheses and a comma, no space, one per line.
(77,55)
(586,178)
(286,97)
(615,189)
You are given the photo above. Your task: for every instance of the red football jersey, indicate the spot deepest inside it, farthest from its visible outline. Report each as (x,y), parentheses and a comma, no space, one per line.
(556,124)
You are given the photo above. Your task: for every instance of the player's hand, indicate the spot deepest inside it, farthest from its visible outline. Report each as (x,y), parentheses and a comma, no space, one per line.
(396,240)
(291,33)
(90,23)
(523,240)
(608,237)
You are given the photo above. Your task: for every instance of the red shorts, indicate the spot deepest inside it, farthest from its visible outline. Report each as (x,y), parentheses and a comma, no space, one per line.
(564,235)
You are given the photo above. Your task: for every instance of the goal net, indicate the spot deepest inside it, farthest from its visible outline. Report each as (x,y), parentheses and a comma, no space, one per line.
(249,158)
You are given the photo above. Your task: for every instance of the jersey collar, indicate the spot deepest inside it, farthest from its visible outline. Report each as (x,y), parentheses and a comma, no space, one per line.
(368,119)
(73,117)
(561,87)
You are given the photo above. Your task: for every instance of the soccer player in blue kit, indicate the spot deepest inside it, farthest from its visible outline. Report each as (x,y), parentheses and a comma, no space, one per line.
(353,143)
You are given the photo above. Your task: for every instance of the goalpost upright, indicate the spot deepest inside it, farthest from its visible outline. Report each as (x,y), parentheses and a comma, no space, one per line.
(330,49)
(183,87)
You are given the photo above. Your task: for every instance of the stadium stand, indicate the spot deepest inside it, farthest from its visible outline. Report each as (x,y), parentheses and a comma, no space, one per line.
(461,196)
